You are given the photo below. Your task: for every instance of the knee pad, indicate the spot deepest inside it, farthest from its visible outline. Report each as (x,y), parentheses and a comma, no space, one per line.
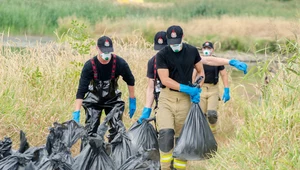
(166,140)
(212,116)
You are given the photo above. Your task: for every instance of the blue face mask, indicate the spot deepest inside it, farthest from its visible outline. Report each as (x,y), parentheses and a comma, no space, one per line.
(176,47)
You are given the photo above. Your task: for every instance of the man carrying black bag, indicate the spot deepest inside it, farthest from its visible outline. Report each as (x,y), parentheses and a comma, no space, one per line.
(175,64)
(98,87)
(201,143)
(154,84)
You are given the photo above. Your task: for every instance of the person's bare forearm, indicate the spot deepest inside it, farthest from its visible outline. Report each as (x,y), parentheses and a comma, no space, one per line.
(78,104)
(224,78)
(200,72)
(194,75)
(214,61)
(170,83)
(202,81)
(131,91)
(166,80)
(149,96)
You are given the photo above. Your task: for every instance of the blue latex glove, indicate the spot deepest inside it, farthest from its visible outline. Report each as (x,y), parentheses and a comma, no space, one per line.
(226,95)
(196,98)
(194,92)
(76,116)
(145,114)
(132,106)
(239,65)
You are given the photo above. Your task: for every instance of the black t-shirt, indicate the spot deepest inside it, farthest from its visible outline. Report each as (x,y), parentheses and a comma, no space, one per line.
(150,69)
(185,59)
(211,72)
(104,73)
(150,74)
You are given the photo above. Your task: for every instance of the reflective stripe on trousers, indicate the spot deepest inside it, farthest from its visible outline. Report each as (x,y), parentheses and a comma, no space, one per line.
(166,158)
(179,164)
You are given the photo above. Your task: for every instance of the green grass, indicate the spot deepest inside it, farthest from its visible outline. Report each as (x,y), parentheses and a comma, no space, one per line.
(40,17)
(45,17)
(268,138)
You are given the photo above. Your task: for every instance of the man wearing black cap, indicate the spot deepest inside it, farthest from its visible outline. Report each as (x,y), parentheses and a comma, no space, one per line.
(98,87)
(175,64)
(154,84)
(210,89)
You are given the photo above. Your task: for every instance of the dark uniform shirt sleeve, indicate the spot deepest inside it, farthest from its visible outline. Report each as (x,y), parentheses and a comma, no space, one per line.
(221,68)
(198,57)
(150,68)
(160,59)
(85,79)
(126,72)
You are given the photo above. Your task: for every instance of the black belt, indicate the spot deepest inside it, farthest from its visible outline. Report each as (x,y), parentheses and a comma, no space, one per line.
(174,90)
(170,89)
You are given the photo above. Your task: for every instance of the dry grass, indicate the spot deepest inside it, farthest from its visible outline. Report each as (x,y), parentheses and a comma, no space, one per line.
(38,87)
(257,27)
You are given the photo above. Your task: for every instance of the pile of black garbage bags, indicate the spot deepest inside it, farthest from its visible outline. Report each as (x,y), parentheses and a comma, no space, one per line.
(134,149)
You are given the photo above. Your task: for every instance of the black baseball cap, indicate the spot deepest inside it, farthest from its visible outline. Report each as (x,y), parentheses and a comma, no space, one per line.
(208,44)
(105,44)
(160,40)
(174,34)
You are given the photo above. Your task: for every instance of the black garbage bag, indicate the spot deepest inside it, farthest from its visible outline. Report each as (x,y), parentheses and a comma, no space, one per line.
(40,154)
(94,155)
(63,136)
(64,153)
(17,161)
(5,147)
(24,145)
(196,141)
(143,137)
(59,142)
(93,115)
(143,160)
(58,161)
(121,146)
(21,159)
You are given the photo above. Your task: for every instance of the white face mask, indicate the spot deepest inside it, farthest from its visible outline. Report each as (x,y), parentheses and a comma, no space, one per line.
(206,52)
(176,47)
(106,56)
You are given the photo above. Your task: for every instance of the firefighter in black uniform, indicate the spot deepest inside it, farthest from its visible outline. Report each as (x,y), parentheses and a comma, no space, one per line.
(209,99)
(154,84)
(175,65)
(98,88)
